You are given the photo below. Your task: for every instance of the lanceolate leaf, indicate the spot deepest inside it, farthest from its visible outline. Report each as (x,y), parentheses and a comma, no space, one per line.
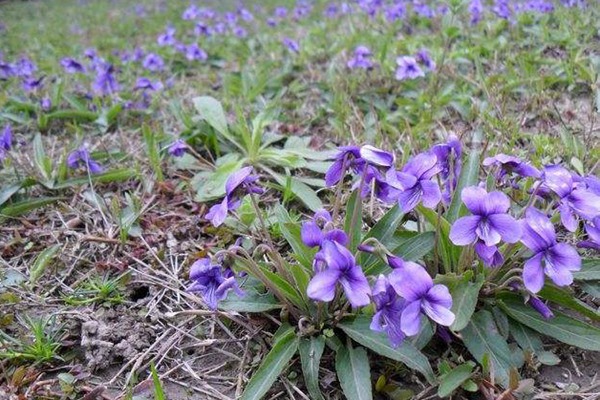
(482,339)
(453,379)
(590,270)
(272,366)
(354,372)
(469,176)
(358,329)
(252,301)
(526,338)
(301,190)
(311,350)
(117,175)
(211,110)
(411,249)
(464,300)
(291,232)
(566,299)
(561,327)
(22,207)
(353,220)
(383,231)
(41,262)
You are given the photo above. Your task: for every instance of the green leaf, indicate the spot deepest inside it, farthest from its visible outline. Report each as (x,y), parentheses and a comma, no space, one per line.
(272,366)
(291,232)
(464,299)
(75,115)
(353,220)
(210,185)
(23,207)
(7,192)
(301,190)
(159,393)
(453,379)
(211,110)
(115,175)
(481,337)
(286,289)
(590,270)
(469,176)
(526,338)
(592,288)
(568,299)
(412,249)
(41,262)
(354,372)
(561,327)
(311,350)
(43,163)
(252,302)
(383,231)
(359,330)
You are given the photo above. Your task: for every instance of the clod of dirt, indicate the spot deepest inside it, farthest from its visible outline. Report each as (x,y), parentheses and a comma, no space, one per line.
(114,336)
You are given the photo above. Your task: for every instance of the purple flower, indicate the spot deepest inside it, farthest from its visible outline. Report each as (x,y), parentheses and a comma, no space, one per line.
(557,260)
(502,9)
(237,185)
(291,44)
(147,84)
(105,82)
(6,138)
(540,307)
(167,38)
(342,269)
(476,10)
(202,29)
(348,157)
(388,311)
(575,198)
(25,68)
(490,222)
(313,233)
(177,148)
(408,68)
(361,59)
(6,70)
(394,12)
(46,104)
(413,284)
(377,157)
(509,164)
(414,183)
(280,12)
(82,157)
(153,62)
(190,13)
(30,83)
(72,66)
(195,53)
(212,281)
(245,14)
(490,255)
(240,31)
(449,159)
(424,58)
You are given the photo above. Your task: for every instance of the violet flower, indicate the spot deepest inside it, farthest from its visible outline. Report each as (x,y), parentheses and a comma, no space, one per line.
(202,29)
(413,284)
(377,157)
(592,228)
(575,199)
(361,58)
(195,53)
(388,311)
(490,222)
(147,84)
(105,82)
(348,157)
(291,45)
(177,148)
(509,164)
(540,307)
(449,159)
(30,83)
(153,62)
(46,104)
(408,68)
(313,233)
(82,157)
(167,38)
(557,260)
(414,182)
(341,269)
(424,58)
(5,140)
(72,66)
(476,11)
(212,282)
(237,185)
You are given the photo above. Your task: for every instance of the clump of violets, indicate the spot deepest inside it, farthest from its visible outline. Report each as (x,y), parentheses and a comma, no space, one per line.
(238,185)
(82,158)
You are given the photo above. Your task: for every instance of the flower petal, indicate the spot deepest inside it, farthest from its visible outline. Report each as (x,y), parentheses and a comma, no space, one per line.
(410,321)
(218,213)
(431,193)
(377,156)
(537,230)
(474,197)
(486,232)
(463,230)
(334,173)
(311,234)
(533,274)
(439,294)
(438,313)
(322,286)
(356,287)
(412,282)
(508,228)
(236,179)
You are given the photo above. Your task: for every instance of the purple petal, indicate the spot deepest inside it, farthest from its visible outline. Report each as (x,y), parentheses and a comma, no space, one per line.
(311,234)
(486,232)
(334,173)
(508,228)
(322,286)
(336,256)
(439,294)
(474,197)
(236,179)
(356,287)
(438,313)
(537,230)
(377,156)
(411,282)
(422,166)
(410,198)
(217,213)
(336,235)
(567,217)
(558,179)
(463,230)
(431,193)
(561,259)
(410,322)
(490,255)
(533,274)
